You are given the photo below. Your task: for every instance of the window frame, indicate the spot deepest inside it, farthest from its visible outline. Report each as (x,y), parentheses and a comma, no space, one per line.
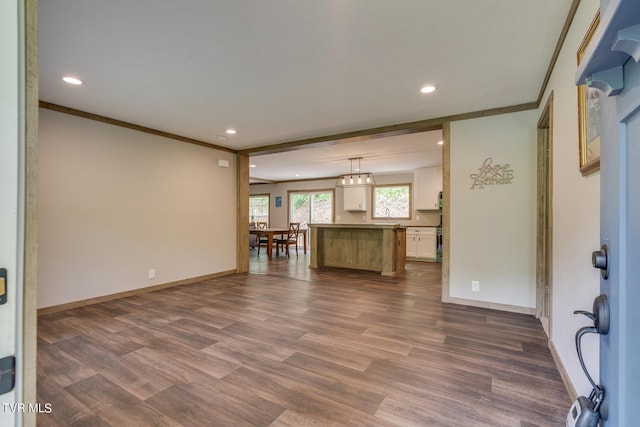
(408,185)
(268,196)
(320,190)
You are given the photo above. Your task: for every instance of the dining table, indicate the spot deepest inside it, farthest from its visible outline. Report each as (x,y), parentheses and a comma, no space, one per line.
(277,231)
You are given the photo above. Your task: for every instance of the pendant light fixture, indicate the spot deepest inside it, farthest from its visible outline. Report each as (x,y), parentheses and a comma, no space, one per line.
(358,179)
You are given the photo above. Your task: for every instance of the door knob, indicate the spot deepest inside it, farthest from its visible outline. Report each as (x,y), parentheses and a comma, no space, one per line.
(600,259)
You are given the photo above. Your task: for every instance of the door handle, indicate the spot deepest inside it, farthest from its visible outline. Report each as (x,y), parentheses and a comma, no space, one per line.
(589,411)
(599,316)
(600,259)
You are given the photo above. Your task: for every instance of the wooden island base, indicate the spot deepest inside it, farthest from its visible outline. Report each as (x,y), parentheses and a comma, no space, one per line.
(373,247)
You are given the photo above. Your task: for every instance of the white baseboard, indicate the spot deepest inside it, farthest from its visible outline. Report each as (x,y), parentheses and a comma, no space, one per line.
(490,305)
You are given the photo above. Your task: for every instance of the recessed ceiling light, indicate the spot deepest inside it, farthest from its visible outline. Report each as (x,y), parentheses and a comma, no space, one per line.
(72,80)
(428,89)
(231,131)
(252,166)
(440,142)
(297,174)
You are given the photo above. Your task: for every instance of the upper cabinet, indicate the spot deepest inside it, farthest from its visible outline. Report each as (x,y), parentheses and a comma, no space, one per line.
(354,198)
(427,187)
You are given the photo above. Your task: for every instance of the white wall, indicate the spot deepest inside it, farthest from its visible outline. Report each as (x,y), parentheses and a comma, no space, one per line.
(278,216)
(115,203)
(493,229)
(576,212)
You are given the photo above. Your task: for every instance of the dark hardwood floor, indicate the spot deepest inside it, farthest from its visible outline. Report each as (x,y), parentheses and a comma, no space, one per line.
(289,346)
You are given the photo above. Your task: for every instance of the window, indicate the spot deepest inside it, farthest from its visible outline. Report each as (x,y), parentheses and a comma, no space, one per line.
(311,207)
(395,198)
(259,208)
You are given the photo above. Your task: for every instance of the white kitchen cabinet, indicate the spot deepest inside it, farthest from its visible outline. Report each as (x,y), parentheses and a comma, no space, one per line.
(421,242)
(427,187)
(354,198)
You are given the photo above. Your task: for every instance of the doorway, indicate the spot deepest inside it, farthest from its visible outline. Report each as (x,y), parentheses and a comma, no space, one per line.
(544,242)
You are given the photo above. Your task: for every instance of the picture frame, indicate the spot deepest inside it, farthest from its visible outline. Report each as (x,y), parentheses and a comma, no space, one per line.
(588,114)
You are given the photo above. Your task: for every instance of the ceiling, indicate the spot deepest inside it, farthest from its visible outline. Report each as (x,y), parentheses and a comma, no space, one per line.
(379,156)
(286,70)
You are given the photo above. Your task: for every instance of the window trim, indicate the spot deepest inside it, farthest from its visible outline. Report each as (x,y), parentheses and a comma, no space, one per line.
(320,190)
(373,200)
(268,196)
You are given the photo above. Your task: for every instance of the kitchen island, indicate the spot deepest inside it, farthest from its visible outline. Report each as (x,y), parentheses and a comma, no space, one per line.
(377,247)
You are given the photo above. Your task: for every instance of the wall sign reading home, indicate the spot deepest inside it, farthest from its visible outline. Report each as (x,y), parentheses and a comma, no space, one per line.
(490,174)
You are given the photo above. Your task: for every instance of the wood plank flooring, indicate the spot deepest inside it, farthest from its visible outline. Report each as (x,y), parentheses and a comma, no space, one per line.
(289,346)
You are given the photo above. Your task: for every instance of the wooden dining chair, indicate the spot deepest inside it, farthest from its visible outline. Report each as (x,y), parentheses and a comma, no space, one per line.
(253,239)
(262,240)
(291,238)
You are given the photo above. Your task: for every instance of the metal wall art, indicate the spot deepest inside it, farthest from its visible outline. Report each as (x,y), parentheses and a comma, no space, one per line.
(490,174)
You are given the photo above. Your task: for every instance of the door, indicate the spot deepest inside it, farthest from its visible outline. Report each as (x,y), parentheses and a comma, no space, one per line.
(428,183)
(10,170)
(309,207)
(620,231)
(412,243)
(426,246)
(544,244)
(354,199)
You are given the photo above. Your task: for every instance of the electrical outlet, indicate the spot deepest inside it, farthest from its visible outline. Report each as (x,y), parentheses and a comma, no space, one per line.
(417,217)
(152,273)
(475,286)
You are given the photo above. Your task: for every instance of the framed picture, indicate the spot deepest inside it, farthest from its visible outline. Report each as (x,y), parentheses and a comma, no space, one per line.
(588,115)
